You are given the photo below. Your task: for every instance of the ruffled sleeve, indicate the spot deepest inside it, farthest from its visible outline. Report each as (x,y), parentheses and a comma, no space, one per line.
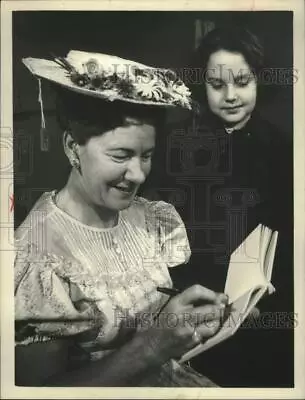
(170,233)
(52,305)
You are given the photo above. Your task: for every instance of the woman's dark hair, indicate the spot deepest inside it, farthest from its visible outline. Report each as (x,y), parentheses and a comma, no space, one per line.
(236,39)
(86,116)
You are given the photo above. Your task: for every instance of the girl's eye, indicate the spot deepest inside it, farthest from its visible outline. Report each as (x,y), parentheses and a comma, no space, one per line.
(216,85)
(242,83)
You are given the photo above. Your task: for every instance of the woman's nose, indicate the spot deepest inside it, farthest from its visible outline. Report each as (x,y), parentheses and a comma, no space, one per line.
(135,172)
(230,94)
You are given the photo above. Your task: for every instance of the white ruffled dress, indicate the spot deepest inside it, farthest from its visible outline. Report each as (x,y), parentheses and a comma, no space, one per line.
(77,281)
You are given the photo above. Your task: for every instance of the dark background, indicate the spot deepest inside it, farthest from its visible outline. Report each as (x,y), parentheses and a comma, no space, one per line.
(164,39)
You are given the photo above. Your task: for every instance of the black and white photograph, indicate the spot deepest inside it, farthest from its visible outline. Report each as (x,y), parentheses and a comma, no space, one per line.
(153,199)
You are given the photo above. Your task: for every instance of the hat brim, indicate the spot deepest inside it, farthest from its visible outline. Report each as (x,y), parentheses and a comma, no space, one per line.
(52,72)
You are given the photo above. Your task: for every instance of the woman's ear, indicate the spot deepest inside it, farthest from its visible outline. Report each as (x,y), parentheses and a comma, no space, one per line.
(71,149)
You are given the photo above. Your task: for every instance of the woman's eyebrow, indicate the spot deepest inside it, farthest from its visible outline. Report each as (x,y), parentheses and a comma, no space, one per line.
(129,150)
(125,149)
(149,150)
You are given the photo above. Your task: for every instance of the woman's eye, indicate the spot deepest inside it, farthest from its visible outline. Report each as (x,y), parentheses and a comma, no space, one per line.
(147,157)
(125,157)
(120,158)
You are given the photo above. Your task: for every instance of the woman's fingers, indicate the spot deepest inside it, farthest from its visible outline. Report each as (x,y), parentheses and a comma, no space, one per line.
(208,328)
(189,317)
(197,294)
(202,332)
(222,298)
(208,312)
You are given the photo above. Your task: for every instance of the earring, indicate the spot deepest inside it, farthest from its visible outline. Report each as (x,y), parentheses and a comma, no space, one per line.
(74,161)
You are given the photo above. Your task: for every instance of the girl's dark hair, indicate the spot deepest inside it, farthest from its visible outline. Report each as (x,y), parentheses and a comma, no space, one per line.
(236,39)
(86,116)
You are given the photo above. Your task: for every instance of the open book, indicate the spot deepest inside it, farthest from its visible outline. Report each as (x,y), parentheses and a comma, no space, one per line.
(248,278)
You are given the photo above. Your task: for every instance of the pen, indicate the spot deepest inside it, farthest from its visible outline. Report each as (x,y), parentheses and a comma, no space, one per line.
(168,291)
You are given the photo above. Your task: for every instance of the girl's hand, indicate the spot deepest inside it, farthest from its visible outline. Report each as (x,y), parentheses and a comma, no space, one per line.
(186,320)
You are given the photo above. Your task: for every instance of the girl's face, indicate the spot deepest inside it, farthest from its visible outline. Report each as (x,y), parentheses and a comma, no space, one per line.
(230,87)
(114,165)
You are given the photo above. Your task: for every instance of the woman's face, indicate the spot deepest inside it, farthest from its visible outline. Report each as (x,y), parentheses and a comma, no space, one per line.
(114,165)
(230,87)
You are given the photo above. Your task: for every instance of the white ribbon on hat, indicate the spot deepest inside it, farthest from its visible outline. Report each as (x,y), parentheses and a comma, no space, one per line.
(43,122)
(44,139)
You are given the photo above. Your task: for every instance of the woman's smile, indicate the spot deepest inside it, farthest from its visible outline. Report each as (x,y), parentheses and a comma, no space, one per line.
(125,190)
(115,164)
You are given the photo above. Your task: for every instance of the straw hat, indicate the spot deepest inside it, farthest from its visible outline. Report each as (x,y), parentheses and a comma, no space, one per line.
(113,78)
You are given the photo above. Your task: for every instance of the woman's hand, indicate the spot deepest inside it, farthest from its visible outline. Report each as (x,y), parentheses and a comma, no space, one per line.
(169,335)
(254,313)
(188,318)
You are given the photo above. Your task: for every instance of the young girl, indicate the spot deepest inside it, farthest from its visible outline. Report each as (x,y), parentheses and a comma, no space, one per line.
(249,180)
(253,156)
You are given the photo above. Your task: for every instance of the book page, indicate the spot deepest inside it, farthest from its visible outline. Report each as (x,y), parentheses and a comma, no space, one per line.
(245,271)
(246,283)
(265,241)
(269,259)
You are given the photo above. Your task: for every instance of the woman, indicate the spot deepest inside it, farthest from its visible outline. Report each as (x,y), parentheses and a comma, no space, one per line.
(91,256)
(248,179)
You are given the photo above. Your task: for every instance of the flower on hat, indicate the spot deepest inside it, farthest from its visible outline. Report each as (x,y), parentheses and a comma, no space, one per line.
(181,92)
(114,78)
(131,80)
(150,90)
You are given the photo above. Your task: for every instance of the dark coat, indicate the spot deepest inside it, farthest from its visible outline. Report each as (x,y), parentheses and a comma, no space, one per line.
(224,185)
